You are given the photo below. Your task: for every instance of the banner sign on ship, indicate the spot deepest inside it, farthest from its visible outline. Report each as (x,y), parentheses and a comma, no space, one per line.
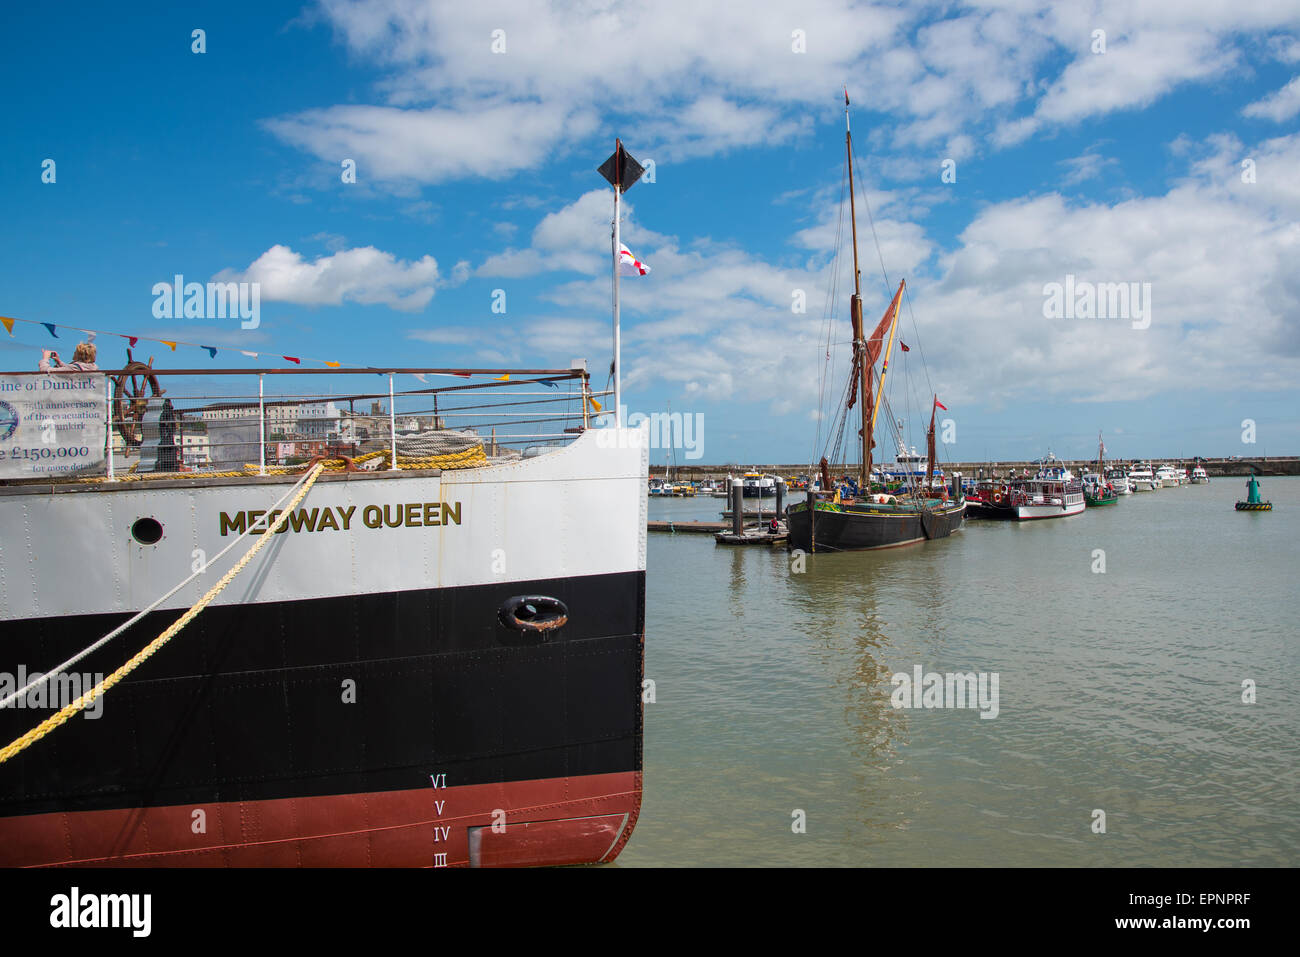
(51,425)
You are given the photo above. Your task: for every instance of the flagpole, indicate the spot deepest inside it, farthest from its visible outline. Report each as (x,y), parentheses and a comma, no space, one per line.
(620,171)
(618,364)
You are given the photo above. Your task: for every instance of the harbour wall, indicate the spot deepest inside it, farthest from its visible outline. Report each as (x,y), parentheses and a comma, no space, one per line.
(1270,465)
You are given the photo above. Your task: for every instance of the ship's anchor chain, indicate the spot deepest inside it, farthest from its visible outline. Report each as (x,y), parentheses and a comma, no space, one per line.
(130,403)
(19,745)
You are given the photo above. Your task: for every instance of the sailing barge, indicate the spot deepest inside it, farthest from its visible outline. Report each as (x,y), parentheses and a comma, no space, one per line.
(832,521)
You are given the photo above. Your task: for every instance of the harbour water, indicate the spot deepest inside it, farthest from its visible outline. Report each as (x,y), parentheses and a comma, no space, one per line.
(1119,690)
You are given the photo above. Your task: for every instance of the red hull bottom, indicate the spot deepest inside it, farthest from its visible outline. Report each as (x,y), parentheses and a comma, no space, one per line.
(554,821)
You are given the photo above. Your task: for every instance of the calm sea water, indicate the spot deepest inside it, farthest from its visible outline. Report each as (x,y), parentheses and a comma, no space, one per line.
(1119,691)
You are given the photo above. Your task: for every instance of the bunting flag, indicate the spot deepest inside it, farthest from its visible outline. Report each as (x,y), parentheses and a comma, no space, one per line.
(502,378)
(420,376)
(904,345)
(550,383)
(595,406)
(939,404)
(173,344)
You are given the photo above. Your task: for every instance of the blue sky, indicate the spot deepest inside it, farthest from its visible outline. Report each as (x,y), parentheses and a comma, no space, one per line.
(476,172)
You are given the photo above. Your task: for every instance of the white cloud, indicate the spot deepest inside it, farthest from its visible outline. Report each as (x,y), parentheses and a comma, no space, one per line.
(1278,106)
(574,238)
(1084,167)
(364,275)
(698,79)
(714,321)
(485,138)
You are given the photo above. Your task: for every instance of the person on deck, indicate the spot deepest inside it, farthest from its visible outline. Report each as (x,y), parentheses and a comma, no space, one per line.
(83,360)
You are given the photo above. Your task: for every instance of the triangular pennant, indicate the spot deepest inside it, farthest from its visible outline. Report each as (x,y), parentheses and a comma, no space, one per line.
(550,383)
(131,340)
(8,324)
(251,355)
(333,365)
(212,351)
(420,376)
(50,326)
(594,404)
(463,375)
(170,345)
(296,362)
(502,378)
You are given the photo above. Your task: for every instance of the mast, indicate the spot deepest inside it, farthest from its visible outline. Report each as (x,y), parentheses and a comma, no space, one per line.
(929,443)
(859,340)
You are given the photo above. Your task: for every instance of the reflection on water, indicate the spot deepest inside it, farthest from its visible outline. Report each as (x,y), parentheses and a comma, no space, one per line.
(1119,691)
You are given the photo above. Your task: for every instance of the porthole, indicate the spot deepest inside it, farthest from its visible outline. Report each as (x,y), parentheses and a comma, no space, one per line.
(147,531)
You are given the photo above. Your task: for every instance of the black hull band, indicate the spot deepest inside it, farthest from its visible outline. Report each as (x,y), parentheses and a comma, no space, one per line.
(350,694)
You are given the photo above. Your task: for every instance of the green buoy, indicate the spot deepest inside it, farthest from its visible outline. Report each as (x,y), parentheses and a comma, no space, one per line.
(1253,501)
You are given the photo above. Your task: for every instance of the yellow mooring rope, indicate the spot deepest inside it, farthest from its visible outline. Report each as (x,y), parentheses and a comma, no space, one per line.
(49,724)
(473,457)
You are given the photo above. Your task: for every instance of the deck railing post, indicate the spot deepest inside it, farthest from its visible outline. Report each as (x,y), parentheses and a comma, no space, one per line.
(261,419)
(108,418)
(392,423)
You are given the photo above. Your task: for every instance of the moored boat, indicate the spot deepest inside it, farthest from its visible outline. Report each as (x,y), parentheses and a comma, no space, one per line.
(1097,489)
(1050,496)
(872,519)
(758,485)
(390,682)
(1143,479)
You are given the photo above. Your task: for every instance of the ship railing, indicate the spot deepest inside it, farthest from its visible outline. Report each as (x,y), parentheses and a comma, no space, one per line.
(226,422)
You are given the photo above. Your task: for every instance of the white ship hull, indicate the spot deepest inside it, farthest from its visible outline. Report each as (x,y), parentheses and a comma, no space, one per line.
(72,553)
(1049,510)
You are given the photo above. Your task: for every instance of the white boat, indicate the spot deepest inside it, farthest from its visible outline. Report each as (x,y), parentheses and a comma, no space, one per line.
(909,468)
(1055,493)
(1143,479)
(758,485)
(1168,476)
(1119,481)
(1200,476)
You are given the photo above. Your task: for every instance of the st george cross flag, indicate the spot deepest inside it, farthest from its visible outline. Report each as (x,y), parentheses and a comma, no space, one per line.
(629,265)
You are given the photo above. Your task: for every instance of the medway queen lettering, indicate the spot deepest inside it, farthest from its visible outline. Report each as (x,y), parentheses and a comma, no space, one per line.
(338,518)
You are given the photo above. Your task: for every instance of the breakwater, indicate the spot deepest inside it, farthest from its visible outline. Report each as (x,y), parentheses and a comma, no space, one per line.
(1221,467)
